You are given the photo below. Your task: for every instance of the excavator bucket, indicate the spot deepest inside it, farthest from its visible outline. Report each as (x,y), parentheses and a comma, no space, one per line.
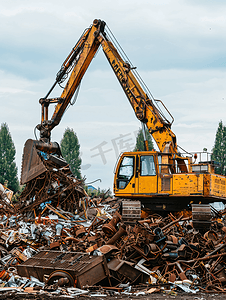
(32,165)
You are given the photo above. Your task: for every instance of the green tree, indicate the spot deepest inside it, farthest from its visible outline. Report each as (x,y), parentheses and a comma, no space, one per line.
(140,141)
(8,169)
(219,149)
(70,149)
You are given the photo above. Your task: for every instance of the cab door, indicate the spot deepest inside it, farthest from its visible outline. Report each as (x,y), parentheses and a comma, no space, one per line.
(147,176)
(125,180)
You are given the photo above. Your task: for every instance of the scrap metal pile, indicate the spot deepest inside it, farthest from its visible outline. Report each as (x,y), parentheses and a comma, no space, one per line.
(104,246)
(56,185)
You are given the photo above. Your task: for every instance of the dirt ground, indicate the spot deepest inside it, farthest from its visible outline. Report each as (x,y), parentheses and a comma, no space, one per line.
(154,296)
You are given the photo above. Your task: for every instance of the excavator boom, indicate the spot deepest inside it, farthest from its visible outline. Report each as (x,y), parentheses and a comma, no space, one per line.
(77,63)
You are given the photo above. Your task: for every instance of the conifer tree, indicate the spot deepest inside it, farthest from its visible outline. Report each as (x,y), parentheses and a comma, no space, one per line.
(70,149)
(219,149)
(140,141)
(8,169)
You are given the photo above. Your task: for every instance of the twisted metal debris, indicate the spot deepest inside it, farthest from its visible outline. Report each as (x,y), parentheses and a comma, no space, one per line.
(56,240)
(56,185)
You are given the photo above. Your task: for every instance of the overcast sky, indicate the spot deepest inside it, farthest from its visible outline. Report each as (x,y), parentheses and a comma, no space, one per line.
(178,48)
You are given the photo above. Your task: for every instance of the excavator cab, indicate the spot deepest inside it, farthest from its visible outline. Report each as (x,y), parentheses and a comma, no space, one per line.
(136,173)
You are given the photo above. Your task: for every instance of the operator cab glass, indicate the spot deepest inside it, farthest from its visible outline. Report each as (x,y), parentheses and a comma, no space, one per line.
(126,171)
(147,165)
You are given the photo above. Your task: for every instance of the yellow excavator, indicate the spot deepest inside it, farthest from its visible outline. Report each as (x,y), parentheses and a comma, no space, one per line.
(161,180)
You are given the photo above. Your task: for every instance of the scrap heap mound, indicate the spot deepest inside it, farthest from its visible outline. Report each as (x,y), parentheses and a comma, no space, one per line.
(57,185)
(59,241)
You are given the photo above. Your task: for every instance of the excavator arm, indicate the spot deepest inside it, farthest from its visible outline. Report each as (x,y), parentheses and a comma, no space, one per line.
(78,60)
(77,63)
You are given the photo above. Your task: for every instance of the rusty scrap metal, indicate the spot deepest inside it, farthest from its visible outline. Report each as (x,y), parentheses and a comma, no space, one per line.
(56,185)
(82,268)
(57,235)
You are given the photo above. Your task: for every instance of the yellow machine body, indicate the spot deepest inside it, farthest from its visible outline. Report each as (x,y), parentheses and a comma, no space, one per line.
(143,176)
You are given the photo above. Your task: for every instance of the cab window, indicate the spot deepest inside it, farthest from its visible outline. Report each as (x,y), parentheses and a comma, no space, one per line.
(126,171)
(160,162)
(147,165)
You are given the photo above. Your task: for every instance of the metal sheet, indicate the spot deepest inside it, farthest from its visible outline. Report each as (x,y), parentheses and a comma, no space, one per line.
(85,269)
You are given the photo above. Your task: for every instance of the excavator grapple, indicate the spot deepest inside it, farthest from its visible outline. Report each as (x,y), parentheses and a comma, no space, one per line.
(33,155)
